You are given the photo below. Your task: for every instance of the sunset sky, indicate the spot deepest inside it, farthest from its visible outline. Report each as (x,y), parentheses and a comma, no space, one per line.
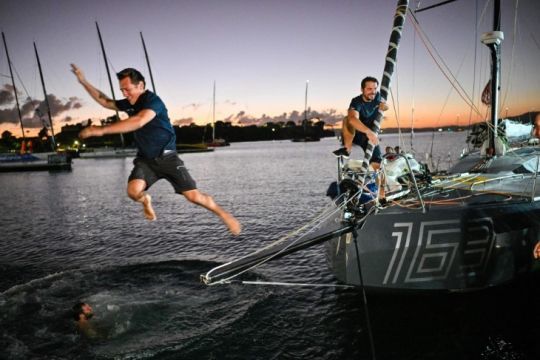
(261,53)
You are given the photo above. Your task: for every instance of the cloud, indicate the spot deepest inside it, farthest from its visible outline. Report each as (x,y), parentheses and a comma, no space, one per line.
(32,111)
(194,106)
(183,122)
(6,95)
(329,116)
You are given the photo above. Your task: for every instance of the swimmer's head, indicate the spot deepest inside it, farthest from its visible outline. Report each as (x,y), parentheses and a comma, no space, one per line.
(82,309)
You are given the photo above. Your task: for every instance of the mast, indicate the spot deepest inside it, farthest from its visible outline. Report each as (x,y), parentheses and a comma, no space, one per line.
(305,108)
(214,113)
(53,142)
(391,56)
(493,40)
(14,87)
(148,64)
(108,75)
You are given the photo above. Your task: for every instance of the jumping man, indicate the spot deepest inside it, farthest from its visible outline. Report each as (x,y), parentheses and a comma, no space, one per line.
(155,140)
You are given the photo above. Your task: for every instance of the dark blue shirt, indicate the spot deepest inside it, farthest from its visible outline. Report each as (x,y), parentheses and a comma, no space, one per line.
(158,134)
(366,109)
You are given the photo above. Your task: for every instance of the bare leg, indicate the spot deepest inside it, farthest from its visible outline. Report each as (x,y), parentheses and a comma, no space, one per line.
(136,192)
(347,133)
(381,183)
(207,202)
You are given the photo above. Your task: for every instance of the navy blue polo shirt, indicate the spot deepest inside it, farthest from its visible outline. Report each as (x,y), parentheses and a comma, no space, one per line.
(367,111)
(158,134)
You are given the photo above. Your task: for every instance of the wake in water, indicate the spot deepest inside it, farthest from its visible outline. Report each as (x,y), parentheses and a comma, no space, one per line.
(140,310)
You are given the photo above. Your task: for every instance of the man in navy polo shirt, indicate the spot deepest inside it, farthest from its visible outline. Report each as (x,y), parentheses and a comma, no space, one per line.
(358,124)
(156,144)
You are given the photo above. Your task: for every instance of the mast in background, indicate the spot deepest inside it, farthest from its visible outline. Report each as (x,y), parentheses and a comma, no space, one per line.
(493,40)
(214,113)
(305,108)
(53,141)
(14,87)
(108,75)
(148,64)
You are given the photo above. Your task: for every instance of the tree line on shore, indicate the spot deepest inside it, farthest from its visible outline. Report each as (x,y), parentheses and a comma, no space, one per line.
(67,138)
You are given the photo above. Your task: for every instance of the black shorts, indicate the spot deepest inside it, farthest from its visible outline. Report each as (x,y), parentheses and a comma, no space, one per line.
(168,166)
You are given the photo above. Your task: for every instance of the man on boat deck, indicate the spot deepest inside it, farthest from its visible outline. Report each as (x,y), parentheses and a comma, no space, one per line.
(358,124)
(156,144)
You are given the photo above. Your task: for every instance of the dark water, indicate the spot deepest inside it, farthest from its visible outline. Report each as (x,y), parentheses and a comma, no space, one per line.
(76,236)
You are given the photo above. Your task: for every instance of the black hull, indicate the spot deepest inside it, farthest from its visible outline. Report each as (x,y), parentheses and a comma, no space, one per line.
(453,248)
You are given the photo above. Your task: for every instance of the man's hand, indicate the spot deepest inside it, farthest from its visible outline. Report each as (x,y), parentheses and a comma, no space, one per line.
(78,73)
(383,106)
(91,131)
(372,137)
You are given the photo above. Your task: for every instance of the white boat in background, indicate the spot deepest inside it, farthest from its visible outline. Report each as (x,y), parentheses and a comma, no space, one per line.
(100,153)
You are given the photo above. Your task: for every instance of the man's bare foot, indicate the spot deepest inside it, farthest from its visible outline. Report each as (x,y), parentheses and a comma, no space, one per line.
(234,226)
(147,207)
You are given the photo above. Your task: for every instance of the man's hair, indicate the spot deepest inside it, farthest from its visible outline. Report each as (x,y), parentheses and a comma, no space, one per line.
(77,310)
(134,75)
(368,79)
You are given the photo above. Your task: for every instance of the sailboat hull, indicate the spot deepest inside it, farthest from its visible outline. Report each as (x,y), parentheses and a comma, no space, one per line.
(455,248)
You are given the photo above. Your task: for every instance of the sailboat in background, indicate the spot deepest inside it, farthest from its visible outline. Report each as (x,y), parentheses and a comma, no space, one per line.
(215,142)
(304,136)
(28,160)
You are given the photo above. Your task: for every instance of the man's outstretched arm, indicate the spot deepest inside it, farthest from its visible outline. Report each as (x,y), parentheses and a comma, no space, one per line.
(130,124)
(97,95)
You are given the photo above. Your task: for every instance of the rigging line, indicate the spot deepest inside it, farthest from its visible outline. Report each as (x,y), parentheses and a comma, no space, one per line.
(396,111)
(322,216)
(474,72)
(441,64)
(396,101)
(364,295)
(291,284)
(251,267)
(276,254)
(20,80)
(413,89)
(316,219)
(534,40)
(514,35)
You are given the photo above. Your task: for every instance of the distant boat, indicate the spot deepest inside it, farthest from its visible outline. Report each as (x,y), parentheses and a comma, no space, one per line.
(215,142)
(105,152)
(305,137)
(35,162)
(192,148)
(26,160)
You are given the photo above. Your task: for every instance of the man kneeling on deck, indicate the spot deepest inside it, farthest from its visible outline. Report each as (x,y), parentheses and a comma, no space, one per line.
(358,125)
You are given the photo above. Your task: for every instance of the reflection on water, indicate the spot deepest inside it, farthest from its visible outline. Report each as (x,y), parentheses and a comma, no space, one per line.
(76,236)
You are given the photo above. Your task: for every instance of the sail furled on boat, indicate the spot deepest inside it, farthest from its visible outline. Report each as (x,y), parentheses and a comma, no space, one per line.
(391,56)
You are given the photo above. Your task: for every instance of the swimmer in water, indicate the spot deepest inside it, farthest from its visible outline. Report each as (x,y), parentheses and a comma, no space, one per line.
(82,313)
